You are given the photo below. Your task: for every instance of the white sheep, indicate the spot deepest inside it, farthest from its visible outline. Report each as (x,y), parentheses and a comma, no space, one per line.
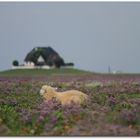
(65,97)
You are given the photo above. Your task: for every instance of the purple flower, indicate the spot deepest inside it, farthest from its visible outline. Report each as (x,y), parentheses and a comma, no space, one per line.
(112,101)
(40,119)
(128,116)
(54,119)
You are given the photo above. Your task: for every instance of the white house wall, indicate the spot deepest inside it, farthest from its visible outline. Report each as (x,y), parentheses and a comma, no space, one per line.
(30,67)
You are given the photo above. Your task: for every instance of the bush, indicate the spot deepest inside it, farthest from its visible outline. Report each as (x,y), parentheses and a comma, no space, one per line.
(15,63)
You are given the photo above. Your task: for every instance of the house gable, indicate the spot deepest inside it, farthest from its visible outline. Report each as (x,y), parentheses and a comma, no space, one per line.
(40,59)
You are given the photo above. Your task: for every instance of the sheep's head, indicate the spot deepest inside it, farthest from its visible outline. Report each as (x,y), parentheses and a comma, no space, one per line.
(47,92)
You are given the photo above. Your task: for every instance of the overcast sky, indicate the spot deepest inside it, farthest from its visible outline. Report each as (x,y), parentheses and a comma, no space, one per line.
(90,34)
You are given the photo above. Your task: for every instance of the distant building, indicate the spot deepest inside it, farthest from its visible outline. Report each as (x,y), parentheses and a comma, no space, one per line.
(43,57)
(117,72)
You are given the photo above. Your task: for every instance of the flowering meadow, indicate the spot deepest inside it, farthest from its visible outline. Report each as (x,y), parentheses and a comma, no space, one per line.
(112,110)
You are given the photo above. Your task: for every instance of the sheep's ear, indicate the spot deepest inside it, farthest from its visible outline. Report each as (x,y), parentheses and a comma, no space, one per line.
(49,89)
(44,88)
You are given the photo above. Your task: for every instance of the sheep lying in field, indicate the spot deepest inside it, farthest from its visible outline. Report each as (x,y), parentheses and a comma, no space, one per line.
(65,97)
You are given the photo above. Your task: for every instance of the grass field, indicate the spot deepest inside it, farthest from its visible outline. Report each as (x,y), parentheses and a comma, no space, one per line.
(113,108)
(43,72)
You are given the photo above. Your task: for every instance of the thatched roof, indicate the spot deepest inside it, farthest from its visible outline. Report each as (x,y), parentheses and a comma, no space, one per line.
(50,56)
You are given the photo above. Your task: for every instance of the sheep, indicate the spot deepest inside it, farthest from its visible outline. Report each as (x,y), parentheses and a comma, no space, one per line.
(65,97)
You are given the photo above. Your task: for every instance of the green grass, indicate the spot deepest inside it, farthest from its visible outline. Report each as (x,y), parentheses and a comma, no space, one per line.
(42,72)
(133,95)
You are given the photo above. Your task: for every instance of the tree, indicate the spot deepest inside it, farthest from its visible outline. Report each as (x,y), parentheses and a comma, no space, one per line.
(69,64)
(15,63)
(58,62)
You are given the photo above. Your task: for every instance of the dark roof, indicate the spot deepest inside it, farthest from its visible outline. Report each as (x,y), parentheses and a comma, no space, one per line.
(49,55)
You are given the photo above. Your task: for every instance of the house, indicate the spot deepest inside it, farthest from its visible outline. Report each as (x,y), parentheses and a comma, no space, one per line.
(43,57)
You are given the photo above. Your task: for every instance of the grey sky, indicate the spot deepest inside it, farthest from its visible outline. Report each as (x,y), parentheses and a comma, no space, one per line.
(92,35)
